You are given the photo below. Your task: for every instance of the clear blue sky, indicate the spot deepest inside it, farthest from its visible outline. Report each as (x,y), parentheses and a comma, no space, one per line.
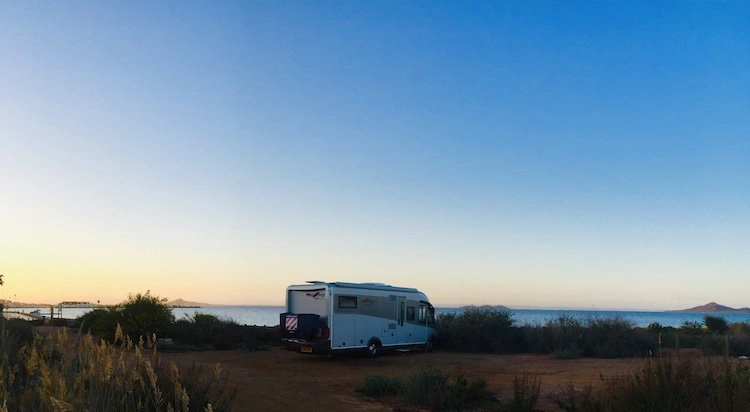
(532,154)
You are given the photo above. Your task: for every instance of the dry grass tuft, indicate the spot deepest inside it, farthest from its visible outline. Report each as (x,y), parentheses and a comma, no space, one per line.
(62,371)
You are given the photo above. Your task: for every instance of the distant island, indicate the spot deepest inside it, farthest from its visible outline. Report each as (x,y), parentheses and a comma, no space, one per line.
(182,303)
(492,307)
(713,307)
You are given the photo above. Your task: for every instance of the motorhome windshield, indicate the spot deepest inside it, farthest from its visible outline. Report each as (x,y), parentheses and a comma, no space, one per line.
(426,313)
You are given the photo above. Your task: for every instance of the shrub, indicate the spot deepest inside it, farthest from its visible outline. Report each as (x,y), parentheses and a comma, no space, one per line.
(656,327)
(204,331)
(100,322)
(713,345)
(427,387)
(692,327)
(144,315)
(739,344)
(573,399)
(260,337)
(612,338)
(16,334)
(525,395)
(565,337)
(666,385)
(479,329)
(716,324)
(17,330)
(437,390)
(379,385)
(432,388)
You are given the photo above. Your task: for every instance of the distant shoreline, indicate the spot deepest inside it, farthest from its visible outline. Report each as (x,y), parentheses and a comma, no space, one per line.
(707,308)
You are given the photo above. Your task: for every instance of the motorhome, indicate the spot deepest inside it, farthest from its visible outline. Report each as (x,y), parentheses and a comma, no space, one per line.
(334,317)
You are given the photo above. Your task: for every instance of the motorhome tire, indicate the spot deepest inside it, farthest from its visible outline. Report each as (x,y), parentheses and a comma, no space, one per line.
(429,345)
(373,348)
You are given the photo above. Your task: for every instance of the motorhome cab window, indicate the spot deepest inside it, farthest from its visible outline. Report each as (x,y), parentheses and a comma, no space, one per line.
(426,314)
(348,302)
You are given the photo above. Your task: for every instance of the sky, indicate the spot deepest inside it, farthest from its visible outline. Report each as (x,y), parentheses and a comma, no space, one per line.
(531,154)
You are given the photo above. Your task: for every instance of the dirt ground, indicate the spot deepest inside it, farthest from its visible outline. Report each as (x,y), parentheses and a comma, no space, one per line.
(280,380)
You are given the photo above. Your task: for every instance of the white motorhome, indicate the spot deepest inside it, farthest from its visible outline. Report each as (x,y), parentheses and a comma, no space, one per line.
(333,317)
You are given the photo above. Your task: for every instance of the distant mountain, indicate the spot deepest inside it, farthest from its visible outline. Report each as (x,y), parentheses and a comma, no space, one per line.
(11,304)
(714,307)
(495,307)
(182,303)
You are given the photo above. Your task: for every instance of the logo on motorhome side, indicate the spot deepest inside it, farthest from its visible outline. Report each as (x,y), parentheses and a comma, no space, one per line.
(318,294)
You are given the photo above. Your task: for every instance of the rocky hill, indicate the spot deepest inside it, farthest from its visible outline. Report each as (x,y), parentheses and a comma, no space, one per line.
(714,307)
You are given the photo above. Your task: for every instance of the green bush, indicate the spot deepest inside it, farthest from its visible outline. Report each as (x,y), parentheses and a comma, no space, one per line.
(204,331)
(479,329)
(692,327)
(713,345)
(144,315)
(100,322)
(574,399)
(739,344)
(716,324)
(379,385)
(430,388)
(565,337)
(525,395)
(141,316)
(260,337)
(666,385)
(16,334)
(613,338)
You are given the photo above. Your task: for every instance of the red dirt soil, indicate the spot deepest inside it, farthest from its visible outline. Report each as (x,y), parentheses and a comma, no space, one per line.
(280,380)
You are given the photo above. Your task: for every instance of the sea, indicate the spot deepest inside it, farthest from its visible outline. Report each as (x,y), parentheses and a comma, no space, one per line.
(269,315)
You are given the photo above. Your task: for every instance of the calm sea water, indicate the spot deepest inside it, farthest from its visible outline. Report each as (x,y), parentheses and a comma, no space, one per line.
(269,315)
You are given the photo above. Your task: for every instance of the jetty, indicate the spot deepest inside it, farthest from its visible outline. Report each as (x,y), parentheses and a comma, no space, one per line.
(74,304)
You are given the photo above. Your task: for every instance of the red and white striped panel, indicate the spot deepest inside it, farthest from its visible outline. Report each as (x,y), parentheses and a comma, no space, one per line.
(290,323)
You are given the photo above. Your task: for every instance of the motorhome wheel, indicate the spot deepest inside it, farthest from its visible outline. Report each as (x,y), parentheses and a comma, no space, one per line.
(428,346)
(373,348)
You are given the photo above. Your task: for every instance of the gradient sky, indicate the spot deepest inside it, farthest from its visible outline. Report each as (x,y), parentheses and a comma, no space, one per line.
(531,154)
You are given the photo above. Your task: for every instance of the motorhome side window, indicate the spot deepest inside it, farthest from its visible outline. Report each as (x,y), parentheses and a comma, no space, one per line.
(348,302)
(410,313)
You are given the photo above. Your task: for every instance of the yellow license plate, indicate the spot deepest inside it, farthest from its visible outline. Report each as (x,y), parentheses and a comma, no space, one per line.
(305,349)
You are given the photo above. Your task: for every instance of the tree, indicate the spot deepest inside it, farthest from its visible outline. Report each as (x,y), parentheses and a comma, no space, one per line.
(716,324)
(145,315)
(2,304)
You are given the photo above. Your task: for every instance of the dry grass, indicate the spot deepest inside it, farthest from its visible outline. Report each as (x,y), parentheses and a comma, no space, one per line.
(63,371)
